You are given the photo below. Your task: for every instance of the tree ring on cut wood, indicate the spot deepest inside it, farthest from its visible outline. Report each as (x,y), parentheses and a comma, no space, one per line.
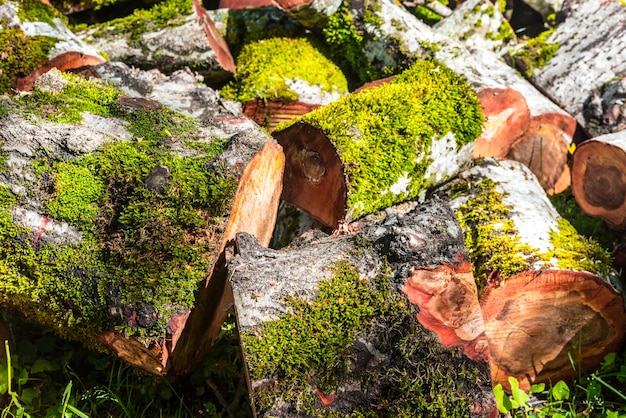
(536,320)
(313,179)
(599,182)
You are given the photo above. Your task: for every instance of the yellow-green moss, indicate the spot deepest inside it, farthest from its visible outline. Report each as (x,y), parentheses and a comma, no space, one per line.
(383,134)
(491,238)
(576,252)
(347,45)
(493,243)
(535,53)
(142,248)
(314,344)
(7,199)
(36,11)
(101,98)
(265,66)
(21,54)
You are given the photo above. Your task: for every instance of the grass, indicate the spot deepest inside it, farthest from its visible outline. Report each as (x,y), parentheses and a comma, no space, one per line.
(599,394)
(46,376)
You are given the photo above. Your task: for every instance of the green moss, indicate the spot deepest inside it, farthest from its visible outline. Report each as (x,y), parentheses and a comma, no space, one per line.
(576,252)
(347,45)
(21,54)
(161,15)
(265,66)
(77,193)
(143,248)
(51,275)
(535,53)
(491,238)
(36,11)
(426,15)
(326,326)
(101,98)
(7,199)
(493,242)
(505,33)
(384,134)
(78,96)
(314,343)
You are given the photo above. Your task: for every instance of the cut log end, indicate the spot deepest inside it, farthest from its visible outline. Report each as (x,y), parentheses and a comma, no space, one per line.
(313,180)
(506,117)
(559,314)
(448,300)
(543,149)
(599,182)
(65,61)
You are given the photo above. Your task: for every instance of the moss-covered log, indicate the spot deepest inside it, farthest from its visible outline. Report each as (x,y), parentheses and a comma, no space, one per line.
(394,39)
(170,36)
(328,325)
(380,146)
(33,39)
(282,78)
(530,260)
(115,210)
(598,179)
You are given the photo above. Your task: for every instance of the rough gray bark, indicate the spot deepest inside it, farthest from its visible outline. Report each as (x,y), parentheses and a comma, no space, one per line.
(181,44)
(591,55)
(408,247)
(148,333)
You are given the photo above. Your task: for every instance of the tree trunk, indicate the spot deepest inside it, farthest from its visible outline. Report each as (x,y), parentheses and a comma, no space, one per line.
(326,324)
(118,222)
(598,182)
(189,39)
(513,235)
(399,37)
(380,146)
(34,47)
(590,32)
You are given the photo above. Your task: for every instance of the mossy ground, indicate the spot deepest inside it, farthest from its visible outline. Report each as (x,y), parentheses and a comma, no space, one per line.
(144,250)
(263,68)
(315,344)
(493,242)
(383,134)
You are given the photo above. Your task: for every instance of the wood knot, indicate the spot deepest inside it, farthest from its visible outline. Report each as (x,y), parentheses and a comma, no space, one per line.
(313,166)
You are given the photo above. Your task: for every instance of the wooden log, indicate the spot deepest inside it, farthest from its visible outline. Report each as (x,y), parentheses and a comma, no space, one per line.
(399,37)
(319,316)
(598,182)
(185,37)
(381,146)
(529,259)
(34,44)
(539,323)
(123,238)
(589,32)
(479,24)
(281,78)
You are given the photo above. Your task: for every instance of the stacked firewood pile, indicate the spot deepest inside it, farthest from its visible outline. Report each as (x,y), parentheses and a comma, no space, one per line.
(401,178)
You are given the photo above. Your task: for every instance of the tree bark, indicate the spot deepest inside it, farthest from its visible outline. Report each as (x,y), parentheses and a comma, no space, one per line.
(513,235)
(187,41)
(364,282)
(598,182)
(119,262)
(590,32)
